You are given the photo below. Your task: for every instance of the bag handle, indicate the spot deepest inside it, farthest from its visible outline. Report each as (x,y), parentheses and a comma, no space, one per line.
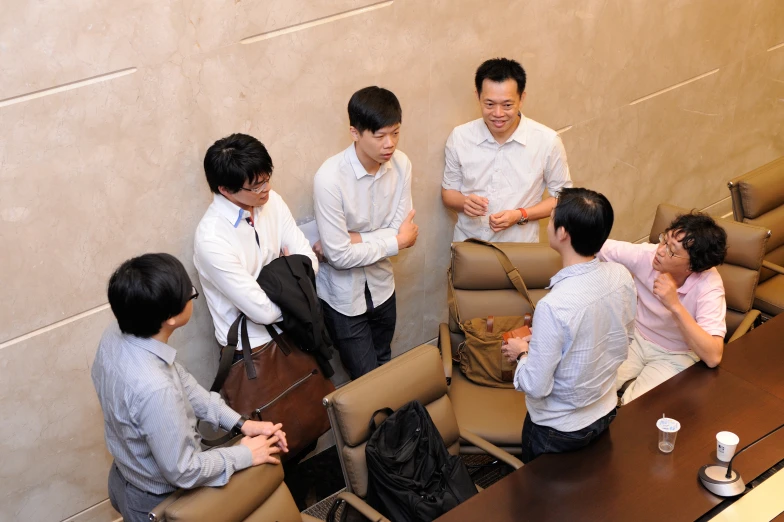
(227,354)
(372,424)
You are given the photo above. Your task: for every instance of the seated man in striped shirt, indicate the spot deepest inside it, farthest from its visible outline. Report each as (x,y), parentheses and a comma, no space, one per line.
(581,332)
(151,404)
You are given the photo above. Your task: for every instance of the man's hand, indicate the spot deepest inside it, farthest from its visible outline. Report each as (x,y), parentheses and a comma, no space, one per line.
(356,237)
(267,429)
(666,290)
(514,347)
(284,252)
(408,232)
(319,251)
(262,448)
(504,219)
(475,206)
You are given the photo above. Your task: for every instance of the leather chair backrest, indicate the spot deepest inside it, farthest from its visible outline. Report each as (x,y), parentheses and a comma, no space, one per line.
(256,494)
(745,250)
(482,287)
(758,199)
(416,375)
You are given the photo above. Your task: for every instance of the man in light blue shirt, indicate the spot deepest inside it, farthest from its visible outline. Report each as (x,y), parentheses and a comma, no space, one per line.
(151,404)
(581,333)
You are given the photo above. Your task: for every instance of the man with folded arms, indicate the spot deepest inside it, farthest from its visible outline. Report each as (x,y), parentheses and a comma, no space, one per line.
(680,307)
(151,404)
(580,336)
(497,167)
(364,213)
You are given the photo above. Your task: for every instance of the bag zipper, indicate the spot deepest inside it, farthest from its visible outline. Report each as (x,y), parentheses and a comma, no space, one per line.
(258,410)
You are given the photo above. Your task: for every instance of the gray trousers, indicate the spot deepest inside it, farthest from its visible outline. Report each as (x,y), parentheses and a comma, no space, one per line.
(131,502)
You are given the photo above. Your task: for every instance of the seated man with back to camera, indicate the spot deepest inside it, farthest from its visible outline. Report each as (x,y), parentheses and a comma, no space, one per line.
(680,301)
(151,403)
(580,335)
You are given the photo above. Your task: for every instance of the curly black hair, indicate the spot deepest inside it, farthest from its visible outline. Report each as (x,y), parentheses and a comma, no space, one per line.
(704,240)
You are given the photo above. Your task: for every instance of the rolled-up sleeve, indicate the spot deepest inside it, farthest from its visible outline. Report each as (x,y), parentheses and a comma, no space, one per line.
(453,171)
(556,171)
(169,435)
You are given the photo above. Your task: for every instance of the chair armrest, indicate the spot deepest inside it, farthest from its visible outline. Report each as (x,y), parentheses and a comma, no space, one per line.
(158,512)
(772,266)
(745,325)
(445,343)
(360,505)
(490,449)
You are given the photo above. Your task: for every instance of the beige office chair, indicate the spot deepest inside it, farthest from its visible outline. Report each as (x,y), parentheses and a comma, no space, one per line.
(758,199)
(255,494)
(415,375)
(745,249)
(481,288)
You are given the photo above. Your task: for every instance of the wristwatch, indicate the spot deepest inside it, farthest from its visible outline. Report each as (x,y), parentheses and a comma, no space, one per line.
(521,355)
(237,429)
(524,217)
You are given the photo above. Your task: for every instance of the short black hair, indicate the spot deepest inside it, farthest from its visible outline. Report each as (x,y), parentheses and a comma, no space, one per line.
(235,159)
(499,70)
(587,216)
(374,108)
(703,239)
(146,291)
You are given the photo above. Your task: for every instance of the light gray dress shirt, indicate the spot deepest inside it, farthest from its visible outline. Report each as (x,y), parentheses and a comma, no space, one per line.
(347,198)
(150,405)
(581,335)
(512,175)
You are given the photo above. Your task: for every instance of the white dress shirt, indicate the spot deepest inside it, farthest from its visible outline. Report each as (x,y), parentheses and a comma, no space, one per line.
(229,261)
(511,176)
(347,198)
(581,335)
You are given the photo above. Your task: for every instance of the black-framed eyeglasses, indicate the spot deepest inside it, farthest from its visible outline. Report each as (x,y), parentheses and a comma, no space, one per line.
(195,294)
(663,241)
(261,188)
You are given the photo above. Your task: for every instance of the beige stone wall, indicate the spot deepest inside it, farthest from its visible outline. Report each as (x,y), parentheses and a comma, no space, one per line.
(657,100)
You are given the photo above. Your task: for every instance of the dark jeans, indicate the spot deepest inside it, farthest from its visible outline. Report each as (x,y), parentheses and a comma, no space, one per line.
(542,439)
(131,502)
(363,341)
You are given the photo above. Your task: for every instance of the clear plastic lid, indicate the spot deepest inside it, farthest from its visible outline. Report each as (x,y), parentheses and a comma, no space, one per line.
(668,425)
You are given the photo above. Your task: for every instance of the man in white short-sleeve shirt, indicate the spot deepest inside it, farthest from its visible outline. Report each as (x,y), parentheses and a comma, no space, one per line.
(498,166)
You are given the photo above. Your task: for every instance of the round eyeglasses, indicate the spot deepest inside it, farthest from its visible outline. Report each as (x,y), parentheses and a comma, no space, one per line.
(663,241)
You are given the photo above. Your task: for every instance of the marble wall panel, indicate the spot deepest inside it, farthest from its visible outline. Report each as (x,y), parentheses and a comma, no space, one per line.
(91,177)
(767,25)
(54,460)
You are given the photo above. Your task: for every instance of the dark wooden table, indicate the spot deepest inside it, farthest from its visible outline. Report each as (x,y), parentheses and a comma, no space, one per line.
(623,476)
(758,357)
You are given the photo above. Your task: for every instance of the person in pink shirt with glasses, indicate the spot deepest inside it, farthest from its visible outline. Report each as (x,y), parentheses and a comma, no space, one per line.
(680,301)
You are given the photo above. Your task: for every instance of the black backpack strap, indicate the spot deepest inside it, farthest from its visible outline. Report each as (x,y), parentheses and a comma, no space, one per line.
(372,426)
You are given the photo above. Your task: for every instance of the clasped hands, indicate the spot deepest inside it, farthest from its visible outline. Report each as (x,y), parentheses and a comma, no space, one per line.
(476,206)
(264,439)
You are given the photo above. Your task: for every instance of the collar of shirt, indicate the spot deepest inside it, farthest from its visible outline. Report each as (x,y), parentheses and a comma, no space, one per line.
(155,347)
(359,169)
(573,270)
(230,211)
(519,135)
(692,280)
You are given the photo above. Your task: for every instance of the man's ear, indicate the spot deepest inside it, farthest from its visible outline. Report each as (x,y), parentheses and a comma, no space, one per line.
(522,98)
(224,191)
(562,235)
(355,134)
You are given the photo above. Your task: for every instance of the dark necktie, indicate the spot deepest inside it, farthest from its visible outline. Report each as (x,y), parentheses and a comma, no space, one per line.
(250,222)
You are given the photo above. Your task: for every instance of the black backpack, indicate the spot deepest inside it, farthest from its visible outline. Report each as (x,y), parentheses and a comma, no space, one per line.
(411,475)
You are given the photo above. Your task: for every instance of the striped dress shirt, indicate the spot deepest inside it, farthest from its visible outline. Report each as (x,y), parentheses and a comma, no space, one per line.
(150,406)
(581,335)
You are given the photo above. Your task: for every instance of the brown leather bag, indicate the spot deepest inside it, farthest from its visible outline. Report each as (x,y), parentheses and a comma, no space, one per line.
(480,354)
(276,382)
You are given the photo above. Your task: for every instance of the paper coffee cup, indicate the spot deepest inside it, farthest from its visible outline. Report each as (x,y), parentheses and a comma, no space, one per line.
(726,444)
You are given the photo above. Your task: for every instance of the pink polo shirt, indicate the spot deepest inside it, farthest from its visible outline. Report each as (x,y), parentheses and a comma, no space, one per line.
(702,295)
